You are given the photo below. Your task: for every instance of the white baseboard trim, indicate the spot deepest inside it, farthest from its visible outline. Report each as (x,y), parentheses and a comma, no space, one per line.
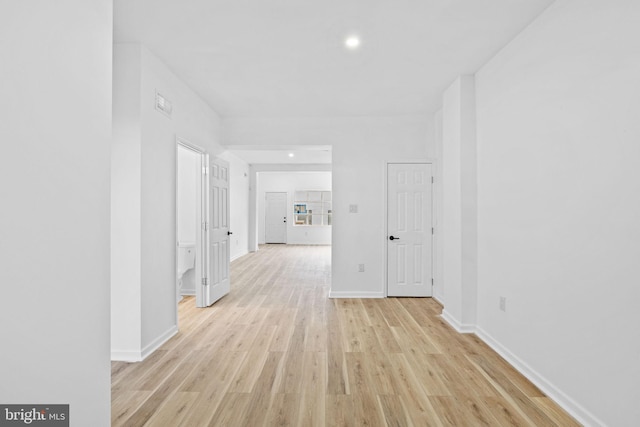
(583,416)
(126,356)
(463,328)
(139,356)
(184,291)
(240,255)
(438,299)
(334,294)
(155,344)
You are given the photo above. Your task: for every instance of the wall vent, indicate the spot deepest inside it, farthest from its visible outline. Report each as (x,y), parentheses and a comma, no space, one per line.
(163,105)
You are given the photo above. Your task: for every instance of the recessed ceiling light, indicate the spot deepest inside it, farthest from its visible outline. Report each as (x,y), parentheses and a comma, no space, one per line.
(290,154)
(352,42)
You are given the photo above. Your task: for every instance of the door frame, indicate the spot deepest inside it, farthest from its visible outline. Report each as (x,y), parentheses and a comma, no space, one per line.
(286,210)
(434,220)
(200,265)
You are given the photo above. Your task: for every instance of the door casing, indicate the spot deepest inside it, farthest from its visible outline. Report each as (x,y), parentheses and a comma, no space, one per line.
(200,262)
(433,164)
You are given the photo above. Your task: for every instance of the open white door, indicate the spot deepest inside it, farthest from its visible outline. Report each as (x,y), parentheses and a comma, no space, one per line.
(275,217)
(215,283)
(409,228)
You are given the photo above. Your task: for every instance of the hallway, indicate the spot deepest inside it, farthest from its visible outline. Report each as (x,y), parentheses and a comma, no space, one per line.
(277,351)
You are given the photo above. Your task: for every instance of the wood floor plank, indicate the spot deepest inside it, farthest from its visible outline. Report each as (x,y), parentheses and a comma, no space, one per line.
(430,377)
(358,375)
(312,409)
(504,413)
(512,394)
(167,388)
(412,393)
(277,351)
(452,412)
(555,413)
(339,410)
(231,411)
(124,404)
(367,410)
(395,414)
(174,411)
(284,330)
(249,372)
(284,410)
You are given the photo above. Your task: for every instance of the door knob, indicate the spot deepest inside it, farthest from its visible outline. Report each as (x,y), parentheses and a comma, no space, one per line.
(393,238)
(229,233)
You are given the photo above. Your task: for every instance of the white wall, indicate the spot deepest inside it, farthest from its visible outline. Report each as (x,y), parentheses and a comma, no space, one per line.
(438,253)
(558,205)
(188,166)
(290,182)
(238,204)
(126,294)
(459,203)
(360,148)
(192,120)
(54,180)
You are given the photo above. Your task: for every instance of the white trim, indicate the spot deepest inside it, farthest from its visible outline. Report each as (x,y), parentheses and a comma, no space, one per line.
(139,356)
(574,409)
(125,356)
(155,344)
(240,255)
(385,261)
(463,328)
(349,294)
(558,396)
(187,292)
(439,300)
(189,145)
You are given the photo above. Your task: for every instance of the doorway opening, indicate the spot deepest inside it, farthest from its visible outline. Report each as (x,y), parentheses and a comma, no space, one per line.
(190,252)
(410,229)
(275,221)
(294,207)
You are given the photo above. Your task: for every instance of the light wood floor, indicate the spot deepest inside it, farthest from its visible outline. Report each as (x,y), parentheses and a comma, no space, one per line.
(277,351)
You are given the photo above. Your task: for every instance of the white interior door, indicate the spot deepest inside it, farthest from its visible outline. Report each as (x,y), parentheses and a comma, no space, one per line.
(275,223)
(409,229)
(216,282)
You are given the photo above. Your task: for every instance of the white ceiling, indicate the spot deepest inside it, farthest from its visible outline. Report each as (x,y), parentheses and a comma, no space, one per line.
(286,58)
(308,154)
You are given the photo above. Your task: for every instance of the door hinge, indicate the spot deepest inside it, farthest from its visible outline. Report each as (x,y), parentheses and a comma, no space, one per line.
(205,226)
(432,230)
(205,281)
(432,281)
(432,180)
(205,170)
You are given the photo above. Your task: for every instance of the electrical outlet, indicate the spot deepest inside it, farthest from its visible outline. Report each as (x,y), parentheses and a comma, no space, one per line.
(361,268)
(353,208)
(503,303)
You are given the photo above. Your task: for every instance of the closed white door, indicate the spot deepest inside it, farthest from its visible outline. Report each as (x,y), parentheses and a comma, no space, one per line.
(275,223)
(409,229)
(216,283)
